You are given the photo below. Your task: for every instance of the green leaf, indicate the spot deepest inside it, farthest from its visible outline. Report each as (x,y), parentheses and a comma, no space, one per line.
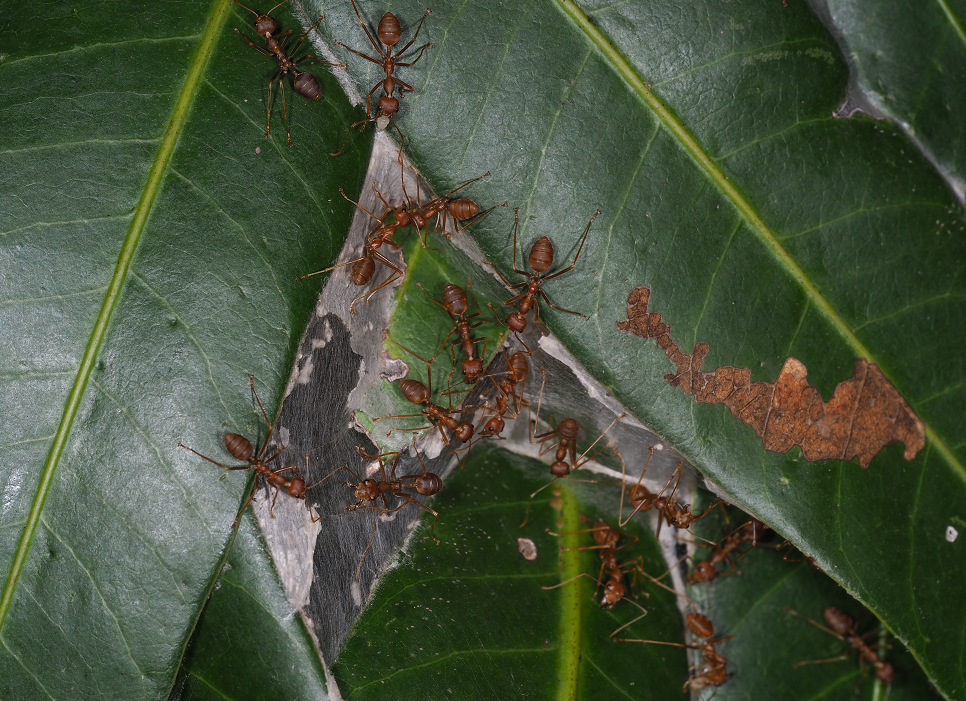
(467,618)
(150,240)
(764,226)
(908,62)
(251,644)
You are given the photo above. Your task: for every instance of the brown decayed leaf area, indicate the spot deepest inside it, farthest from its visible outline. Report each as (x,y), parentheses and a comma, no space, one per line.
(864,414)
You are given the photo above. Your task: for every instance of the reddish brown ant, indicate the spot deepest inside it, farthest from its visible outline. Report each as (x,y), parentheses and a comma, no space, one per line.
(241,448)
(541,258)
(306,84)
(843,627)
(606,538)
(508,401)
(418,393)
(369,490)
(364,267)
(673,512)
(456,303)
(748,533)
(389,33)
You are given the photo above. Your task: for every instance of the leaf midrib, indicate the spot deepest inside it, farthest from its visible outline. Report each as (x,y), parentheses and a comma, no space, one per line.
(196,68)
(714,173)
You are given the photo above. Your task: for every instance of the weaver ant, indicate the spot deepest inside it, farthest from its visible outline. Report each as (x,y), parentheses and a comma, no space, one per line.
(606,538)
(673,512)
(389,32)
(306,84)
(455,303)
(508,401)
(369,490)
(364,267)
(748,533)
(418,393)
(714,670)
(541,258)
(241,448)
(843,627)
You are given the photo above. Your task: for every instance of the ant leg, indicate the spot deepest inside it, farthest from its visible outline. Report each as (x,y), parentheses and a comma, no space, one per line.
(366,30)
(434,300)
(369,97)
(368,545)
(459,229)
(240,467)
(582,241)
(270,83)
(577,461)
(403,50)
(281,87)
(582,574)
(271,509)
(339,265)
(817,625)
(252,44)
(516,224)
(631,622)
(299,42)
(531,499)
(342,192)
(636,487)
(554,306)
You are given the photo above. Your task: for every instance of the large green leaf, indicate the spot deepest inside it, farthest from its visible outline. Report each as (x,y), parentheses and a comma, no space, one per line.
(764,226)
(150,239)
(909,61)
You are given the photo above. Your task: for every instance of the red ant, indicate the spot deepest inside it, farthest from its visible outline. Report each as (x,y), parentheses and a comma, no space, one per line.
(508,401)
(418,393)
(714,670)
(541,258)
(389,32)
(306,84)
(607,537)
(455,303)
(369,490)
(673,512)
(241,448)
(364,267)
(843,627)
(748,533)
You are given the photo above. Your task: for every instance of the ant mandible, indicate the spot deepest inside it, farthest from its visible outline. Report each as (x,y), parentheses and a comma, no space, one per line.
(541,258)
(389,32)
(241,448)
(306,84)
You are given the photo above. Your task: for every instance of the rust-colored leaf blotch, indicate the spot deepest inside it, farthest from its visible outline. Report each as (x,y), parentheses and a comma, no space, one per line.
(864,414)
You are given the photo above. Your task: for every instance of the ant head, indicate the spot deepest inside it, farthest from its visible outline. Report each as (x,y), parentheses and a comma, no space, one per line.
(388,106)
(367,490)
(413,390)
(838,620)
(885,672)
(704,571)
(559,469)
(493,427)
(613,592)
(296,488)
(454,299)
(541,255)
(264,25)
(700,624)
(239,446)
(471,369)
(642,498)
(428,484)
(307,85)
(516,322)
(389,30)
(568,429)
(464,432)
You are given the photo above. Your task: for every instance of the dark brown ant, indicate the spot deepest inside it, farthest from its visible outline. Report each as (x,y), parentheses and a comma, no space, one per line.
(241,448)
(418,393)
(843,627)
(364,267)
(369,490)
(606,538)
(541,258)
(456,303)
(306,84)
(673,512)
(389,33)
(714,670)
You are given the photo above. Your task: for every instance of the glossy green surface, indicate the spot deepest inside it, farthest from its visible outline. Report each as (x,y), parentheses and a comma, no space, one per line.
(149,240)
(467,618)
(764,226)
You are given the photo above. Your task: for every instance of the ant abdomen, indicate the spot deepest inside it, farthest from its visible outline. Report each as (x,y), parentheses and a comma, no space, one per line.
(519,365)
(362,270)
(463,208)
(464,432)
(541,254)
(428,484)
(239,446)
(389,30)
(454,299)
(413,390)
(700,625)
(307,85)
(568,429)
(838,620)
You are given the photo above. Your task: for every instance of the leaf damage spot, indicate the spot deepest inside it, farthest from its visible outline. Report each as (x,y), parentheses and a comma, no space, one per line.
(864,414)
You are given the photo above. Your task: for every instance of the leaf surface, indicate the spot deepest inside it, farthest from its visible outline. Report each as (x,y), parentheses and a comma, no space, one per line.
(764,226)
(150,240)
